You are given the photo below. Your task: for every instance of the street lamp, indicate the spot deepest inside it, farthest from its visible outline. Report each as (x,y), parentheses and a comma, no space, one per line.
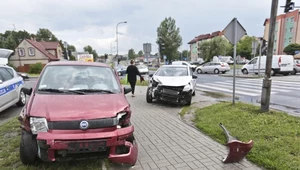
(124,22)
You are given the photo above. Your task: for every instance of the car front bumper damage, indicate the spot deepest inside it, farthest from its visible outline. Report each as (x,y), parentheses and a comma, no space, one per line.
(172,94)
(118,145)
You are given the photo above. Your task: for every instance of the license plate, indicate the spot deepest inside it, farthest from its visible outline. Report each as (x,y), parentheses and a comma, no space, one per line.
(87,146)
(170,91)
(283,65)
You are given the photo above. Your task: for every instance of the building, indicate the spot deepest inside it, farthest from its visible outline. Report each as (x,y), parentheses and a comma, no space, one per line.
(287,31)
(30,51)
(195,43)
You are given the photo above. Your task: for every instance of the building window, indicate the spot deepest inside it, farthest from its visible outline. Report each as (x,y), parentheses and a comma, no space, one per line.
(31,51)
(292,19)
(21,52)
(291,29)
(290,39)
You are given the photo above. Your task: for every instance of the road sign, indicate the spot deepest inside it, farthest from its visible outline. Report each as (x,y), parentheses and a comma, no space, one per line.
(147,47)
(230,31)
(234,32)
(254,47)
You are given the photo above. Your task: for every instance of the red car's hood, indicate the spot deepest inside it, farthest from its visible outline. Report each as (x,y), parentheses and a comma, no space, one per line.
(77,107)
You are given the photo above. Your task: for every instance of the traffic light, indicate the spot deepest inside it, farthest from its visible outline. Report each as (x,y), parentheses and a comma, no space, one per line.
(119,60)
(264,47)
(289,5)
(69,53)
(161,47)
(65,54)
(105,56)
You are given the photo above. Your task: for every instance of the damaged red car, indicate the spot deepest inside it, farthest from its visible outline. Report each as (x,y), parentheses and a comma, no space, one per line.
(77,110)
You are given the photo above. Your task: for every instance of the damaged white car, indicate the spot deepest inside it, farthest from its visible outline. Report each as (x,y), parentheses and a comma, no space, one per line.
(173,84)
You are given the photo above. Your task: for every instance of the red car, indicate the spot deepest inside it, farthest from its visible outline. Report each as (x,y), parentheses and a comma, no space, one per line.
(77,110)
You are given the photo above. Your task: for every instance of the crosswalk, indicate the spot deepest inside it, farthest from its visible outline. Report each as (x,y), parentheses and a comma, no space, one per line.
(249,87)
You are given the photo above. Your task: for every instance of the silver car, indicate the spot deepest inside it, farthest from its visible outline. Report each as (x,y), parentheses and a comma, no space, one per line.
(296,67)
(11,84)
(213,67)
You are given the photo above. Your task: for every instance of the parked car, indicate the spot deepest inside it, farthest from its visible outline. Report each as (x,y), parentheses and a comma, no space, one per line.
(296,67)
(143,69)
(11,84)
(121,70)
(184,63)
(172,83)
(213,67)
(281,64)
(77,110)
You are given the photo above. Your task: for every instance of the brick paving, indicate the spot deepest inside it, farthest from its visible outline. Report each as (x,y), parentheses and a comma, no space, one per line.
(166,143)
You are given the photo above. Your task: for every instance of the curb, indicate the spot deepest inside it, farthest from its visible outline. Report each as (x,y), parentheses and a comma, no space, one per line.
(252,77)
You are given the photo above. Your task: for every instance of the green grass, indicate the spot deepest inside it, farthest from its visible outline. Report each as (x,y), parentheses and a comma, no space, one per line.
(236,66)
(276,135)
(138,83)
(9,153)
(152,68)
(34,75)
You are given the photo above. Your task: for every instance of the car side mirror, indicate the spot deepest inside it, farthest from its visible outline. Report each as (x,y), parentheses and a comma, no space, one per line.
(150,75)
(195,77)
(27,91)
(127,90)
(1,81)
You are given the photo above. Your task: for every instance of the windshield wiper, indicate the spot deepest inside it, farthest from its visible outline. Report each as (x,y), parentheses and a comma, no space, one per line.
(95,90)
(61,91)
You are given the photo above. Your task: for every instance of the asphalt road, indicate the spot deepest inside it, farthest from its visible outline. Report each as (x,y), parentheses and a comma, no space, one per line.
(284,94)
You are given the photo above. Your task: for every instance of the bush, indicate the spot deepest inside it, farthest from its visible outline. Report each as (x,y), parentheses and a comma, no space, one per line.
(35,68)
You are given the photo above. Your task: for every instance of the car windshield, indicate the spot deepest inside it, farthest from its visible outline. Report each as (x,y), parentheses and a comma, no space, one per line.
(172,71)
(82,78)
(141,67)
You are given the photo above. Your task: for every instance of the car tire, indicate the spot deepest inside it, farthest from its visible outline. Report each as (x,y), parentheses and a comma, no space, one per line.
(188,100)
(245,71)
(294,72)
(149,96)
(22,99)
(273,73)
(223,72)
(119,73)
(216,71)
(199,71)
(28,149)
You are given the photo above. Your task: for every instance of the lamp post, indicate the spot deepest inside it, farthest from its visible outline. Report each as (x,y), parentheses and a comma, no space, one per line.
(124,22)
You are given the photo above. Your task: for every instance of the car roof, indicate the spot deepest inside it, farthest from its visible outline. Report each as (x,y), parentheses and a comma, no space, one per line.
(77,63)
(174,66)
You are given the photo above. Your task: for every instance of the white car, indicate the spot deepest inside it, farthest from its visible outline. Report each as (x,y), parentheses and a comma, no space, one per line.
(184,63)
(213,67)
(143,69)
(11,84)
(172,83)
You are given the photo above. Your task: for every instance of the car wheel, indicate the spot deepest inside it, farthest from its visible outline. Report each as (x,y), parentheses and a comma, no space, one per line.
(22,99)
(223,72)
(245,71)
(188,100)
(216,71)
(199,71)
(194,93)
(119,73)
(285,74)
(28,149)
(272,72)
(294,72)
(149,95)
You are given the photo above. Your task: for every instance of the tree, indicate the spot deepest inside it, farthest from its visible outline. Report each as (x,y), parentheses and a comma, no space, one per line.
(131,54)
(168,34)
(44,34)
(72,48)
(185,53)
(10,43)
(291,48)
(213,47)
(90,50)
(140,53)
(244,47)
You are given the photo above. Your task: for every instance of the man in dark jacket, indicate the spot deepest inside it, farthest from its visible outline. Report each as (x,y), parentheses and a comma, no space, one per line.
(132,71)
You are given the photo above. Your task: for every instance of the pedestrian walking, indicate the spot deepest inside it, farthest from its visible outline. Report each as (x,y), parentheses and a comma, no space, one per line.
(132,72)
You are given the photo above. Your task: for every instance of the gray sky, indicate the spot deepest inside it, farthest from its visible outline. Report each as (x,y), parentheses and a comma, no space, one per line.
(93,22)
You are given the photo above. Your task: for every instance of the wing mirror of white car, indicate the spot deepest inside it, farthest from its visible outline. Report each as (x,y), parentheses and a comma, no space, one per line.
(150,75)
(1,81)
(195,77)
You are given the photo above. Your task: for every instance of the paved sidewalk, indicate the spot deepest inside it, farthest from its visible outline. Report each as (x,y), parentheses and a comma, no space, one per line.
(166,143)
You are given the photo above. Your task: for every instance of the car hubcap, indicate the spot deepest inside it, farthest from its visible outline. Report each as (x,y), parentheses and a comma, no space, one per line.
(23,97)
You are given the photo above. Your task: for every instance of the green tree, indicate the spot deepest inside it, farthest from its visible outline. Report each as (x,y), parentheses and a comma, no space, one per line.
(168,34)
(10,43)
(44,34)
(291,48)
(131,54)
(140,53)
(213,47)
(72,48)
(185,53)
(244,47)
(90,50)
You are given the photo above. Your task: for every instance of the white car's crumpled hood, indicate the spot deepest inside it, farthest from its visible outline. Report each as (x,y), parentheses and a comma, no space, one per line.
(173,81)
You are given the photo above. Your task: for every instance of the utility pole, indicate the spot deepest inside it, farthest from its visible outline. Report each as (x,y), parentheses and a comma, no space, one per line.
(260,47)
(266,88)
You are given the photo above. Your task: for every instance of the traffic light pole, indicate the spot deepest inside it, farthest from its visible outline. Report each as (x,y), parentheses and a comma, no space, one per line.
(266,89)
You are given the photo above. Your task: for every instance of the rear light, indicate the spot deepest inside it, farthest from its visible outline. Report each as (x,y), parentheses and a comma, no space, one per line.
(298,65)
(279,61)
(222,65)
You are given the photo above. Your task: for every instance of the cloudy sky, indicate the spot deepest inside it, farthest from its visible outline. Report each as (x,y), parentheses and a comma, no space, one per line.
(93,22)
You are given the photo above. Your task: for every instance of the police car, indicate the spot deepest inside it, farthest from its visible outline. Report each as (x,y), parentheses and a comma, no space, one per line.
(11,84)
